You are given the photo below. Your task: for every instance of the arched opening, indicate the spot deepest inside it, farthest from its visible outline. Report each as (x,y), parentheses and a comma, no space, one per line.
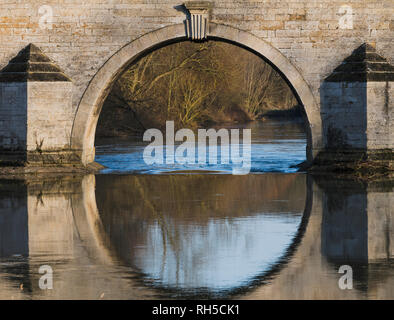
(166,220)
(89,109)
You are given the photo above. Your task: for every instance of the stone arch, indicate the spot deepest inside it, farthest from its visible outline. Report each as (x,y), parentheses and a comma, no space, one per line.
(88,111)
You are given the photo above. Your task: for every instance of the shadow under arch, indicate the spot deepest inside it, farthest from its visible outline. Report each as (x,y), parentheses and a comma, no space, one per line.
(99,247)
(89,108)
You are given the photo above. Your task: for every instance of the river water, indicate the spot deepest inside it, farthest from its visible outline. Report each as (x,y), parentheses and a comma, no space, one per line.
(277,145)
(135,231)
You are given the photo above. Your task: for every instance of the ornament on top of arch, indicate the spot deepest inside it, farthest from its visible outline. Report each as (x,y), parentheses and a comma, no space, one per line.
(197,21)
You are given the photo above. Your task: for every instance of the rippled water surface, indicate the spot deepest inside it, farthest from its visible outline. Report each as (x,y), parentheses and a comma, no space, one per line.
(277,146)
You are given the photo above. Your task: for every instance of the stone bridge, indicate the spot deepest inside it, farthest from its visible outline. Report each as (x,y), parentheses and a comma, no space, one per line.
(60,58)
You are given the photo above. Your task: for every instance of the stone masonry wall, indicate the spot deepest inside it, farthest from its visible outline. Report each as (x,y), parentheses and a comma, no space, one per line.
(50,115)
(344,114)
(13,117)
(86,33)
(380,116)
(359,115)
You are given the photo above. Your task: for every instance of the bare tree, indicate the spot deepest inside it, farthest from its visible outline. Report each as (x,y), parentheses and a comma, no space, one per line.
(195,82)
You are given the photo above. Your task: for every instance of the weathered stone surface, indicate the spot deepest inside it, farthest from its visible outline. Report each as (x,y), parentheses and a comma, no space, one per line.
(363,65)
(37,99)
(13,116)
(357,111)
(94,41)
(31,64)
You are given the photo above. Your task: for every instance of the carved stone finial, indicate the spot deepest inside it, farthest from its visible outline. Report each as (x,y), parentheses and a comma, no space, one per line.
(197,23)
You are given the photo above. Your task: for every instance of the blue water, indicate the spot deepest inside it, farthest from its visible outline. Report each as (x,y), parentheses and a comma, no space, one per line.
(277,146)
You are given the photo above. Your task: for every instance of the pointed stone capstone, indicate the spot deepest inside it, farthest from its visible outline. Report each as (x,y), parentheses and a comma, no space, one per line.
(363,65)
(31,64)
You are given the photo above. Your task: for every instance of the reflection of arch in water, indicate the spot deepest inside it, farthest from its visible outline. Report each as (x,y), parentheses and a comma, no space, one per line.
(51,221)
(295,275)
(259,279)
(283,261)
(303,265)
(88,224)
(256,281)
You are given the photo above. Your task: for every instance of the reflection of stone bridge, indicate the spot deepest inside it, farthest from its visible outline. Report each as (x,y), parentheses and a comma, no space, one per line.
(56,222)
(52,92)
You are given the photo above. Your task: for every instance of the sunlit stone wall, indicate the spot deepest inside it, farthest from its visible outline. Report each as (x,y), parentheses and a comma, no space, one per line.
(315,35)
(80,36)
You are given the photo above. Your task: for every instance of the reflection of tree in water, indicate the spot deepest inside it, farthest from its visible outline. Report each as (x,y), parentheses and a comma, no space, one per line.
(182,205)
(165,231)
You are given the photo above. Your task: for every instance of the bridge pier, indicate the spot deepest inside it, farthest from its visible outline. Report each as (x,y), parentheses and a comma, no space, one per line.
(40,125)
(36,112)
(357,111)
